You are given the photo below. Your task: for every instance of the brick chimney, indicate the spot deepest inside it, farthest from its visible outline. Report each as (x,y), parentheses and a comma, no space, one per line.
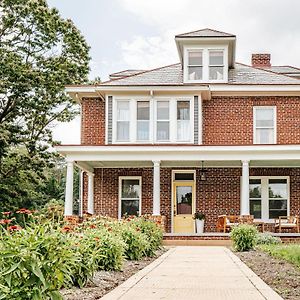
(261,60)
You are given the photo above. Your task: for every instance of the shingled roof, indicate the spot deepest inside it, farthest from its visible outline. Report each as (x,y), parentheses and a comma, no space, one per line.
(173,75)
(207,32)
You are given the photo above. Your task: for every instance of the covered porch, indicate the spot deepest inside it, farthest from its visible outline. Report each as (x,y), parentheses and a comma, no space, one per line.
(228,170)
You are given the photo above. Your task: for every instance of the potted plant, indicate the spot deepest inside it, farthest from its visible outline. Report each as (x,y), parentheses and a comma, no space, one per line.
(199,218)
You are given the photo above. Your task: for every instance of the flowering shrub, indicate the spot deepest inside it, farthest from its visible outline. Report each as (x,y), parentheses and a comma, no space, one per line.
(38,256)
(244,237)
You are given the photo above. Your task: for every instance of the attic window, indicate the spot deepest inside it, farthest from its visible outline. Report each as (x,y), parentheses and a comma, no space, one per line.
(195,65)
(216,64)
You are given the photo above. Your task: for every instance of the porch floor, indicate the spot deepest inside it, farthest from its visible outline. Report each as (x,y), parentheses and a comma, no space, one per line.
(195,273)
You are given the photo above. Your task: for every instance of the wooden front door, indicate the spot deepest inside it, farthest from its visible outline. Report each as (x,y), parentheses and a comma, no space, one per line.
(184,207)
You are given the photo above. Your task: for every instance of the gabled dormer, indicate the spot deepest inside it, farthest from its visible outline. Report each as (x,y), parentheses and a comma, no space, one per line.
(206,55)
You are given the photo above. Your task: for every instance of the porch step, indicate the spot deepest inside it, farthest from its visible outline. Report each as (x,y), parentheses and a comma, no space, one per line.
(205,239)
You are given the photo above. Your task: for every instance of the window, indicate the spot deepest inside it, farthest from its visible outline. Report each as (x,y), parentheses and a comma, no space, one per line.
(130,196)
(268,197)
(143,120)
(255,198)
(180,176)
(183,121)
(277,198)
(123,120)
(195,66)
(264,125)
(162,121)
(216,65)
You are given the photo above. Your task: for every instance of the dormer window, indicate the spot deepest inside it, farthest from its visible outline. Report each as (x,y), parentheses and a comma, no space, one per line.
(195,65)
(216,64)
(205,64)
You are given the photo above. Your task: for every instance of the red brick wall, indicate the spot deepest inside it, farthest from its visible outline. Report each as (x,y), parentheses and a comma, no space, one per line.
(229,120)
(92,121)
(219,194)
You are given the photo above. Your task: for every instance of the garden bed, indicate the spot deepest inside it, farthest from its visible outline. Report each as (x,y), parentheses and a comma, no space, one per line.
(105,281)
(281,275)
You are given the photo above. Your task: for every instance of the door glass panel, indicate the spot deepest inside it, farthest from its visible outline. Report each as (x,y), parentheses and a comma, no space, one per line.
(184,196)
(255,197)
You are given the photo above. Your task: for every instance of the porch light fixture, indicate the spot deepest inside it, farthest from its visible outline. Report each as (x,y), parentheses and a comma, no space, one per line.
(202,172)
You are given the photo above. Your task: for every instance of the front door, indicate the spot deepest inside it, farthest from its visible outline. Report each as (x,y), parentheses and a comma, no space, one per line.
(184,204)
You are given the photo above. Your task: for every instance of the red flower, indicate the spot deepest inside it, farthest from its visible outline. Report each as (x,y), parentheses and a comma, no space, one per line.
(14,228)
(24,211)
(66,229)
(6,213)
(5,221)
(96,238)
(93,226)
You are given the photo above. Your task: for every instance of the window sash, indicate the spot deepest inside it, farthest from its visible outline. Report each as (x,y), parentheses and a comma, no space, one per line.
(264,134)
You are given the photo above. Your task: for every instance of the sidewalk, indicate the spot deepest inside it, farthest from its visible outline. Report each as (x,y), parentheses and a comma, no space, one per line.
(205,273)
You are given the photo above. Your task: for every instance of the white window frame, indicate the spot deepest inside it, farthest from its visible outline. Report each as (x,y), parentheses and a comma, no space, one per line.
(265,196)
(211,66)
(205,62)
(136,120)
(153,113)
(165,120)
(121,178)
(255,109)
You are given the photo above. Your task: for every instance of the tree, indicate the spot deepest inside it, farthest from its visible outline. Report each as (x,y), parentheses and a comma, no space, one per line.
(40,53)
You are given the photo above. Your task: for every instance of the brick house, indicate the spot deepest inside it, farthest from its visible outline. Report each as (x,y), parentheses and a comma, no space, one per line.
(206,134)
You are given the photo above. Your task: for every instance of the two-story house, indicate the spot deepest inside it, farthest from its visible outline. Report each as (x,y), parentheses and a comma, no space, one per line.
(206,134)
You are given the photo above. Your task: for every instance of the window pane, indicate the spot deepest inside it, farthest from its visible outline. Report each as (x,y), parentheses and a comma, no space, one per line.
(195,73)
(255,188)
(123,111)
(216,73)
(163,131)
(195,58)
(130,189)
(123,131)
(216,58)
(277,208)
(265,136)
(183,130)
(184,176)
(143,130)
(255,208)
(278,188)
(184,197)
(143,110)
(129,208)
(183,110)
(162,110)
(264,117)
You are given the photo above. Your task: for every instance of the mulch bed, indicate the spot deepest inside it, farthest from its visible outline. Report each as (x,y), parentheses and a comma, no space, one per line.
(104,281)
(282,276)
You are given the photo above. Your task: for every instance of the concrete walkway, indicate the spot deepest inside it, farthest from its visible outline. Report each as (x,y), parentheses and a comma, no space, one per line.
(205,273)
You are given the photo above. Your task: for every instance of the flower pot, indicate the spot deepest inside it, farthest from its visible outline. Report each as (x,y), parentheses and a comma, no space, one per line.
(199,226)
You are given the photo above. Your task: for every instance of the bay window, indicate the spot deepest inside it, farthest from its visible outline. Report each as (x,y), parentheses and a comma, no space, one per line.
(183,121)
(129,196)
(162,120)
(143,120)
(123,121)
(269,197)
(264,123)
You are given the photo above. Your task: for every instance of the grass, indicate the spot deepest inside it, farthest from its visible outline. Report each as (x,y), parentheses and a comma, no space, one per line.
(290,252)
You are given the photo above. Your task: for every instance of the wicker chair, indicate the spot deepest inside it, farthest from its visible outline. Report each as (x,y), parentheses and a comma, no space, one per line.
(291,222)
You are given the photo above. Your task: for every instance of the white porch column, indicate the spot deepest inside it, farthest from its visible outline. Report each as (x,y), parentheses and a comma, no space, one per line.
(156,188)
(245,209)
(69,189)
(90,204)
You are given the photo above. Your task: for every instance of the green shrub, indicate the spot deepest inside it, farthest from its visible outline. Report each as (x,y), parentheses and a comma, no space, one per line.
(136,242)
(153,232)
(267,238)
(244,237)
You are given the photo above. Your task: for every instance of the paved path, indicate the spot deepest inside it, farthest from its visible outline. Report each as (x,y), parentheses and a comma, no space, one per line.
(205,273)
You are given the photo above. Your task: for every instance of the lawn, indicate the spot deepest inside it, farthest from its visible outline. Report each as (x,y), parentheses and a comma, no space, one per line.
(289,252)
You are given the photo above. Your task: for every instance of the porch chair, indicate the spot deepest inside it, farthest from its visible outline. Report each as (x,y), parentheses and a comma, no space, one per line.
(246,219)
(225,223)
(283,222)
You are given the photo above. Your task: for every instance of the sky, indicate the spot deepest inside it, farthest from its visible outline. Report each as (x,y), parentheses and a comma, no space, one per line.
(139,34)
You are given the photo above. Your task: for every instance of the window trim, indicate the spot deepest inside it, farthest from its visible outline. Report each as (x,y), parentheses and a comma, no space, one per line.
(265,196)
(149,121)
(255,108)
(189,66)
(211,66)
(120,194)
(205,62)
